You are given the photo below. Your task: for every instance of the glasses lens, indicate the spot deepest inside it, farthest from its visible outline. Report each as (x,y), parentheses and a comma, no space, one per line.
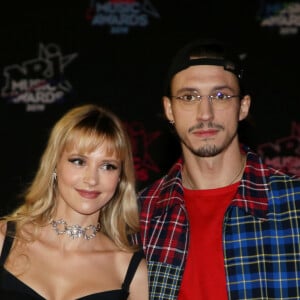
(219,100)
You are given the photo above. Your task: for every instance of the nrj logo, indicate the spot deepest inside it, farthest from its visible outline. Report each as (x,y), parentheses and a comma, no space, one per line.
(120,15)
(141,141)
(284,153)
(282,14)
(39,81)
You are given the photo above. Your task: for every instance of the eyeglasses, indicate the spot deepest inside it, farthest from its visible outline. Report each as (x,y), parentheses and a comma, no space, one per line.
(218,100)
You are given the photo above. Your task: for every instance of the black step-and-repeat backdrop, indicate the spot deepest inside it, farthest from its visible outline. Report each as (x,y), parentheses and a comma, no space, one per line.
(58,54)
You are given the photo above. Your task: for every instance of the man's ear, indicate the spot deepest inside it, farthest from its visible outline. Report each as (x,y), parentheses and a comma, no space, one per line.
(168,108)
(245,107)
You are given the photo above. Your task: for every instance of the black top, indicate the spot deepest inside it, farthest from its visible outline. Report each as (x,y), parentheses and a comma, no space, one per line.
(12,288)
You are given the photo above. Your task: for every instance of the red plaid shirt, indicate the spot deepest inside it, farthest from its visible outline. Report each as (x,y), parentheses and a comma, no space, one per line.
(247,227)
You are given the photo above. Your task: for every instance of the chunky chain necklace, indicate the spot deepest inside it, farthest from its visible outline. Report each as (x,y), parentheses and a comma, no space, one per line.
(74,231)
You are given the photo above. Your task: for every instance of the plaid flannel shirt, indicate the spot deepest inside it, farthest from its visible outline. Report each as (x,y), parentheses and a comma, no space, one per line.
(261,234)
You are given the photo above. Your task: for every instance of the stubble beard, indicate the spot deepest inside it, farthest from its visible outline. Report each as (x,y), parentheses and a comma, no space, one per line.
(206,151)
(210,150)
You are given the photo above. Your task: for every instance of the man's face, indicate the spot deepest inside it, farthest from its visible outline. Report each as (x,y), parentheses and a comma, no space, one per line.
(206,127)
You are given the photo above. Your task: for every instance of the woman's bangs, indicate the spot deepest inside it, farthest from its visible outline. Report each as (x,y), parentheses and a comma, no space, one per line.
(88,140)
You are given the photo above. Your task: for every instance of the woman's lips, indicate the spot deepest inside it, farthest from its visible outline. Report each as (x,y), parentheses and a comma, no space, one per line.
(88,194)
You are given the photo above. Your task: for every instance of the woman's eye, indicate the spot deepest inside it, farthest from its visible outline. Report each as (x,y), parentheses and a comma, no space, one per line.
(77,161)
(109,167)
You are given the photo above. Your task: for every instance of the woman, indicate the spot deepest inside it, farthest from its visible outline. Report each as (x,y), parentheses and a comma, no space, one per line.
(72,237)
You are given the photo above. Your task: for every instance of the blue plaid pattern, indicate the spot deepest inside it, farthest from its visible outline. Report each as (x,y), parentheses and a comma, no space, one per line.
(261,234)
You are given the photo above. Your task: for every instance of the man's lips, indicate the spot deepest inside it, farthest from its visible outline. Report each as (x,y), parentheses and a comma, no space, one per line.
(205,133)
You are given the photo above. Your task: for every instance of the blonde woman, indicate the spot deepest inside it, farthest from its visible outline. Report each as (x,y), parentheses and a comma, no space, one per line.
(72,236)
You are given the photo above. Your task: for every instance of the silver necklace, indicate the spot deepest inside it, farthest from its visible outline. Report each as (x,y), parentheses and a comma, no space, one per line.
(74,231)
(244,160)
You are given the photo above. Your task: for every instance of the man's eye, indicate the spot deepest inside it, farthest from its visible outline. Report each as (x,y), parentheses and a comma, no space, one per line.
(188,97)
(220,96)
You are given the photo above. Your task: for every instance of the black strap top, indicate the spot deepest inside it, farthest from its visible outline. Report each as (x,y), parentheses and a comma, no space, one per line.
(12,288)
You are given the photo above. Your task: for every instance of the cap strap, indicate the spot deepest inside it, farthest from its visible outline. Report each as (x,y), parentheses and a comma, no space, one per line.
(228,65)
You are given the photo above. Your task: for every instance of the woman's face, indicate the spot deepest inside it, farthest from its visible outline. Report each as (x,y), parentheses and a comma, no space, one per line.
(86,181)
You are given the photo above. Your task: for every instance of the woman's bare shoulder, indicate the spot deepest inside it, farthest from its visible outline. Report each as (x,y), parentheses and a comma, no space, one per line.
(3,225)
(139,285)
(139,288)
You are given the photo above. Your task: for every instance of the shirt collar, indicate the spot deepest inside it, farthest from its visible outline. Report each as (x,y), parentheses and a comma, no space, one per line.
(252,191)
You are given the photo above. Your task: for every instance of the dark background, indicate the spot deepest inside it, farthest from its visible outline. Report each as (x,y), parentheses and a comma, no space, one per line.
(125,72)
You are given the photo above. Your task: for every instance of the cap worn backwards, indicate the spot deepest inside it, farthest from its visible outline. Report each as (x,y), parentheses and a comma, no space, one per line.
(205,52)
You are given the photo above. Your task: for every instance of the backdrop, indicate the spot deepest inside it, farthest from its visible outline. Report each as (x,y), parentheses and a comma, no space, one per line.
(59,54)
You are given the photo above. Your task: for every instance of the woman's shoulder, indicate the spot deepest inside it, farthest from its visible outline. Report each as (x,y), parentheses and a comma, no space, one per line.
(126,261)
(139,285)
(3,227)
(133,268)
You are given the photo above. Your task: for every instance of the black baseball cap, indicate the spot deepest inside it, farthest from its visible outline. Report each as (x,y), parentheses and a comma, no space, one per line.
(206,52)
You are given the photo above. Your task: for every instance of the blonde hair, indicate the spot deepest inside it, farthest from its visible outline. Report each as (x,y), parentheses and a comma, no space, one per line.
(88,126)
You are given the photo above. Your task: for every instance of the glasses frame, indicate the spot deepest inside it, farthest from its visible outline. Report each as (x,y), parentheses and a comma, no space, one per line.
(210,98)
(190,103)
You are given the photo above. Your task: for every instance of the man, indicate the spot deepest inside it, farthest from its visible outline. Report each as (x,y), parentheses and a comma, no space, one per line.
(220,224)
